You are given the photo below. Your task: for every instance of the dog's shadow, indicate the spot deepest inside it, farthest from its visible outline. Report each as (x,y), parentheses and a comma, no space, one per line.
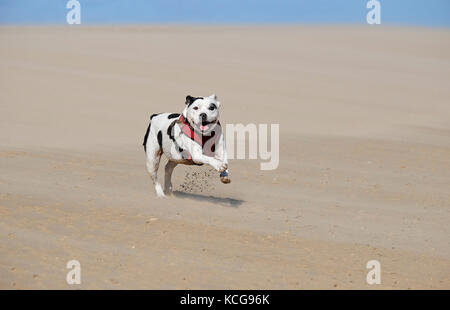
(228,202)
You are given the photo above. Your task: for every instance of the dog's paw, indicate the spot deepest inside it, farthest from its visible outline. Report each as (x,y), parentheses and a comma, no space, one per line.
(168,191)
(160,195)
(159,191)
(225,180)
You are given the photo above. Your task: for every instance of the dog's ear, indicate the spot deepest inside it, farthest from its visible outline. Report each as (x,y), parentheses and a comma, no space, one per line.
(189,100)
(214,97)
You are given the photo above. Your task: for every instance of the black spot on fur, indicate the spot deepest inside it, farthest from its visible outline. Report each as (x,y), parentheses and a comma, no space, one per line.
(170,130)
(173,115)
(190,100)
(170,134)
(160,139)
(148,131)
(146,137)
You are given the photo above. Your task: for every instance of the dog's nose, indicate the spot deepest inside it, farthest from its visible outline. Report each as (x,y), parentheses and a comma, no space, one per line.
(203,116)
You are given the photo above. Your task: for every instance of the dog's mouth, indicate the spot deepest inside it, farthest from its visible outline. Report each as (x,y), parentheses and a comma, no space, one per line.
(206,125)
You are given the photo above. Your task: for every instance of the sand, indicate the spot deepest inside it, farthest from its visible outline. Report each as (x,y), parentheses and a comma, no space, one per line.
(364,167)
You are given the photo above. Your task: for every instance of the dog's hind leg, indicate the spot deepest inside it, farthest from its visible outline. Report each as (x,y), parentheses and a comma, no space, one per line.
(168,176)
(153,159)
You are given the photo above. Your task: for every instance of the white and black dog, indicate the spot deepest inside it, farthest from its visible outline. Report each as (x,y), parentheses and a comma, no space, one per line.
(193,138)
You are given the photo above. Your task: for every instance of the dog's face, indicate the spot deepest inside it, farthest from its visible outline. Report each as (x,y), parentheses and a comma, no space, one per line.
(202,112)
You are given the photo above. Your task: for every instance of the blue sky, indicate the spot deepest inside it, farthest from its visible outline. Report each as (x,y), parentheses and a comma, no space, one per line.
(398,12)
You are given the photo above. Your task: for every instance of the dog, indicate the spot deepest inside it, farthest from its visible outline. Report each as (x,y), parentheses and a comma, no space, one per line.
(194,137)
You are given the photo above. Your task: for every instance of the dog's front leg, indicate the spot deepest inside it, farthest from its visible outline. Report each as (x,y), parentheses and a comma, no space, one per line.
(221,155)
(200,158)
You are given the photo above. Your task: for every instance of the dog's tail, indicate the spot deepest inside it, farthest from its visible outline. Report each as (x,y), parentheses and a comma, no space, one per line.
(147,132)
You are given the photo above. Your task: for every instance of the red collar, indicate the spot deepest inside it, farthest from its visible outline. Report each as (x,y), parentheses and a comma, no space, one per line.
(207,142)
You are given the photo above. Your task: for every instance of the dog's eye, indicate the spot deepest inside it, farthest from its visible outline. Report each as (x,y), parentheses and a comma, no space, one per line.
(212,108)
(195,108)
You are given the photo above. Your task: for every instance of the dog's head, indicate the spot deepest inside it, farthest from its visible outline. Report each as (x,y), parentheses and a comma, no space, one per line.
(202,112)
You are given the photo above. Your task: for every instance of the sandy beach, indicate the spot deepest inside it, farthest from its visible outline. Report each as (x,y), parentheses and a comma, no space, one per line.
(364,170)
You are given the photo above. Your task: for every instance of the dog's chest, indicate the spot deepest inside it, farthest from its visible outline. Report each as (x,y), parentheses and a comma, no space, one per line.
(183,140)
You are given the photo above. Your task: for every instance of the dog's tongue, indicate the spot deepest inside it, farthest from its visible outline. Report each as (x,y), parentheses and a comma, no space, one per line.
(203,127)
